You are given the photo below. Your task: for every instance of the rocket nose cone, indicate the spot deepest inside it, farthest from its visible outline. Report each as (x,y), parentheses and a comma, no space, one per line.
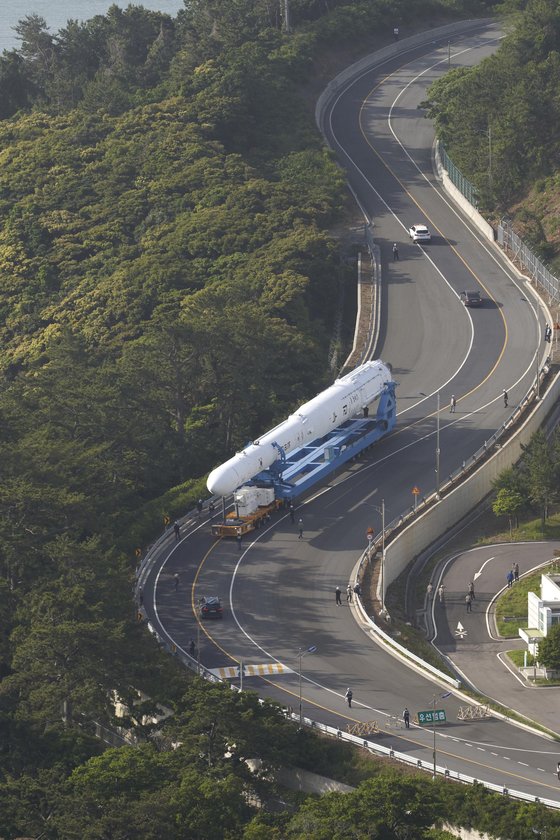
(223,480)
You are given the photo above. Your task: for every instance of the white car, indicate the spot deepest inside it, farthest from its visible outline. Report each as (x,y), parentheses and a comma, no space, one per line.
(420,233)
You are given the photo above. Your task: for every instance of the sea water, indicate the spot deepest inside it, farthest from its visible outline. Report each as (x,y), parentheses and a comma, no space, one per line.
(58,12)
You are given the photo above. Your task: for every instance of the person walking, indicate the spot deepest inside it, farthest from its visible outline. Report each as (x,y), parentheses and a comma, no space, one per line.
(396,33)
(471,590)
(337,595)
(349,696)
(175,581)
(177,529)
(468,601)
(509,578)
(516,572)
(429,590)
(292,512)
(199,506)
(300,527)
(239,537)
(452,404)
(441,593)
(349,594)
(406,717)
(395,251)
(505,398)
(192,647)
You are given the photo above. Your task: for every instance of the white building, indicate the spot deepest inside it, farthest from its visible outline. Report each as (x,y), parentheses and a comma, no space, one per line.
(543,612)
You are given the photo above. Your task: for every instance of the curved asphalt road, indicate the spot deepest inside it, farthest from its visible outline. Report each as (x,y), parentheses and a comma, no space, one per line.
(279,591)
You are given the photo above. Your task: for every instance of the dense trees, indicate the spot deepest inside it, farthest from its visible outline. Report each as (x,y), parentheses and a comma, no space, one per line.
(167,289)
(507,144)
(534,482)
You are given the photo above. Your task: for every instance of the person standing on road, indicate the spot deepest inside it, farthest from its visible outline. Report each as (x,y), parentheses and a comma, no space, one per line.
(441,593)
(505,398)
(199,506)
(516,572)
(337,594)
(239,538)
(192,647)
(300,527)
(468,601)
(406,717)
(509,578)
(177,529)
(395,251)
(358,590)
(396,33)
(452,404)
(175,581)
(349,696)
(471,590)
(429,590)
(211,509)
(292,512)
(349,598)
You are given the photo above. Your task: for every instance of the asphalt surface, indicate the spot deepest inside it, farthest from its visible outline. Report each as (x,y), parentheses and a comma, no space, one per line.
(278,591)
(470,639)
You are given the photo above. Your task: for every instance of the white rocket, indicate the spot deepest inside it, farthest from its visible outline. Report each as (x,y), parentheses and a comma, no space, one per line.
(348,396)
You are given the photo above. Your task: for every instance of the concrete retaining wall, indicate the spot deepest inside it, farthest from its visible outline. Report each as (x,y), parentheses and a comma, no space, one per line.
(429,526)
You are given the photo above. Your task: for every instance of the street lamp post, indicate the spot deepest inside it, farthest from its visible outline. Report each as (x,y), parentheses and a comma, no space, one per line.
(381,510)
(301,654)
(437,447)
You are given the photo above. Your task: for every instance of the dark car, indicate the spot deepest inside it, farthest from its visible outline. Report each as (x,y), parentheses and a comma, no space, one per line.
(471,298)
(210,607)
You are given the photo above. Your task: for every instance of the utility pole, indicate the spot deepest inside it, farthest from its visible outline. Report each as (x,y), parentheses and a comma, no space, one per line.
(382,555)
(437,447)
(286,7)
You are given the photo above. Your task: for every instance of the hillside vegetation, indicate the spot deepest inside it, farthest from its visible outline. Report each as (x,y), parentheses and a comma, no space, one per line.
(168,288)
(500,123)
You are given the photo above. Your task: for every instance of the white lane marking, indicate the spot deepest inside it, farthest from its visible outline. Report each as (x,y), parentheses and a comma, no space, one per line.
(363,501)
(522,763)
(477,574)
(483,750)
(467,744)
(493,753)
(506,758)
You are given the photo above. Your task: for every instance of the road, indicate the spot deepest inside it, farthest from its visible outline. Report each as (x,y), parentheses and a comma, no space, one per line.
(279,591)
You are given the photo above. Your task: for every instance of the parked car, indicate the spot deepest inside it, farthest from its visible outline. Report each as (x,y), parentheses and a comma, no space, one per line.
(471,298)
(420,233)
(210,607)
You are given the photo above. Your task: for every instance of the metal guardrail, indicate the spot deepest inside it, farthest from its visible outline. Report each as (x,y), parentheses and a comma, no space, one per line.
(404,758)
(520,253)
(412,512)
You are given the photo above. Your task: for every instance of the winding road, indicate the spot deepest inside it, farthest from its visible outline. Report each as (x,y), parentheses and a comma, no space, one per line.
(279,591)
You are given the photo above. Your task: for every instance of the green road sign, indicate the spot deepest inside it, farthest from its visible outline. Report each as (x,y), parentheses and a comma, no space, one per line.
(432,716)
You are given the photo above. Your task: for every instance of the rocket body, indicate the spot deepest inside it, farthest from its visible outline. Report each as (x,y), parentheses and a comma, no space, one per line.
(345,398)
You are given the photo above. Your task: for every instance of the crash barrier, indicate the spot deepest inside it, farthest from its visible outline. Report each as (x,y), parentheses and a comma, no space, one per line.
(477,712)
(378,749)
(419,527)
(369,727)
(404,652)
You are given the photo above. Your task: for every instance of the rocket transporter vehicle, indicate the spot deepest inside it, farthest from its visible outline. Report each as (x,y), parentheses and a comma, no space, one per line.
(348,397)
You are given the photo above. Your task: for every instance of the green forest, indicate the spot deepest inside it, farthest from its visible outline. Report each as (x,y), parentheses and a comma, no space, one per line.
(500,124)
(168,286)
